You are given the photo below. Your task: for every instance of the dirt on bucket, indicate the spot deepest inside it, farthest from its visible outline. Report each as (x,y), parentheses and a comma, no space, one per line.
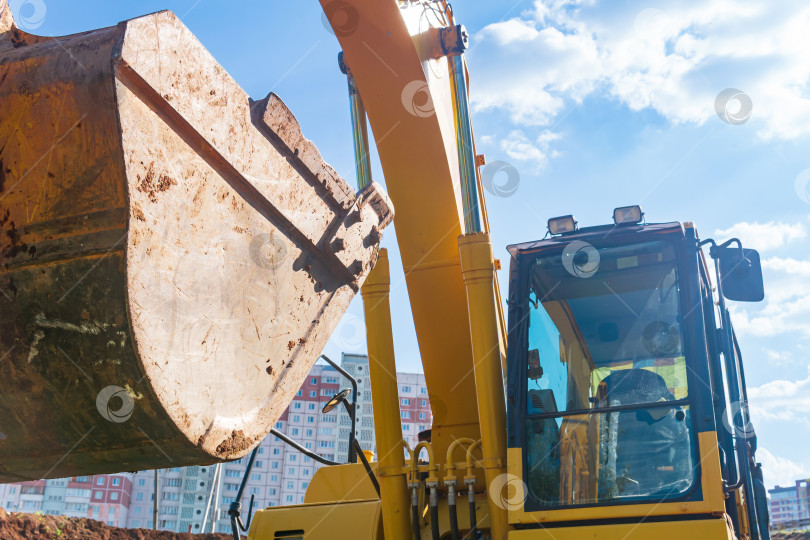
(18,526)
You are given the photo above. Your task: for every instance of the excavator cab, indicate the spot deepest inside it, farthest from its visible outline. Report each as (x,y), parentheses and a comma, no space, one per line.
(615,352)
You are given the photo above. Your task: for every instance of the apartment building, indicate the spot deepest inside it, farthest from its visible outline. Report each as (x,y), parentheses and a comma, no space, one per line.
(280,474)
(790,506)
(101,497)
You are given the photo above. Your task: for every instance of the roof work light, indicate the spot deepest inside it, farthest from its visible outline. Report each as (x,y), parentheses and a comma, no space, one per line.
(626,215)
(562,225)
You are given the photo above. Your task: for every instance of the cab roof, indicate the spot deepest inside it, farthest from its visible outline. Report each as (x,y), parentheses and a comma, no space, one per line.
(597,233)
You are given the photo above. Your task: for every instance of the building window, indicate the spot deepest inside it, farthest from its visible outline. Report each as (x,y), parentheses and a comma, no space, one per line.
(114,496)
(422,416)
(98,495)
(275,464)
(423,390)
(292,457)
(423,403)
(310,419)
(139,497)
(299,393)
(256,476)
(406,389)
(296,405)
(313,393)
(116,481)
(405,414)
(141,481)
(309,433)
(296,418)
(100,481)
(313,380)
(276,451)
(405,401)
(258,464)
(312,405)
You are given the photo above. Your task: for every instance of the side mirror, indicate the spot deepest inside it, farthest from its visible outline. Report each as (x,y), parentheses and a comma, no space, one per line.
(741,274)
(336,400)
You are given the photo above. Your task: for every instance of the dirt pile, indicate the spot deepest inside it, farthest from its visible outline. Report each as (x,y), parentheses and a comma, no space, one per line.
(40,527)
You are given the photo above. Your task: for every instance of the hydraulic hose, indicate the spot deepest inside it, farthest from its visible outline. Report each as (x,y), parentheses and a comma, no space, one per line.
(451,506)
(473,519)
(415,510)
(434,511)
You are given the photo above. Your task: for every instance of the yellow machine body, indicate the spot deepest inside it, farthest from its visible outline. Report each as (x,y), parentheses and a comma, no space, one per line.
(459,322)
(703,529)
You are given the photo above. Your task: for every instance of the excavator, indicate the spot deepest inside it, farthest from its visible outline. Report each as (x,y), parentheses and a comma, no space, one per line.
(604,397)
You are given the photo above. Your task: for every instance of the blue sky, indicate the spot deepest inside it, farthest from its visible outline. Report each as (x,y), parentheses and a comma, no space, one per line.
(596,104)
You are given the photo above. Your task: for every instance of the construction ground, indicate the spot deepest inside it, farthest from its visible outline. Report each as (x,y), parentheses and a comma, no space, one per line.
(18,526)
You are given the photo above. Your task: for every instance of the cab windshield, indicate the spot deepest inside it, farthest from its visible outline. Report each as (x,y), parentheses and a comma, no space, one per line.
(607,416)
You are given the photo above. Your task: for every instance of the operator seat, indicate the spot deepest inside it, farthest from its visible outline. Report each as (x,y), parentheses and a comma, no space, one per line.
(653,451)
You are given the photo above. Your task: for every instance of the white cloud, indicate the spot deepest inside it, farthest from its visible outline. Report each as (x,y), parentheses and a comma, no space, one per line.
(779,358)
(519,147)
(764,236)
(787,301)
(674,59)
(791,266)
(780,471)
(782,400)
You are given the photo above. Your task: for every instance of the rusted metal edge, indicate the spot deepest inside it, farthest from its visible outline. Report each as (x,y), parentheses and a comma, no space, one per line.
(277,122)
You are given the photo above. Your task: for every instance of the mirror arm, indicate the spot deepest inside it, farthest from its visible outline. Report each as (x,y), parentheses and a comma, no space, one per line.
(301,449)
(352,412)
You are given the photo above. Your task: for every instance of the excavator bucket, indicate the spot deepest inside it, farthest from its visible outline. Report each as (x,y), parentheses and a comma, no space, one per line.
(173,255)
